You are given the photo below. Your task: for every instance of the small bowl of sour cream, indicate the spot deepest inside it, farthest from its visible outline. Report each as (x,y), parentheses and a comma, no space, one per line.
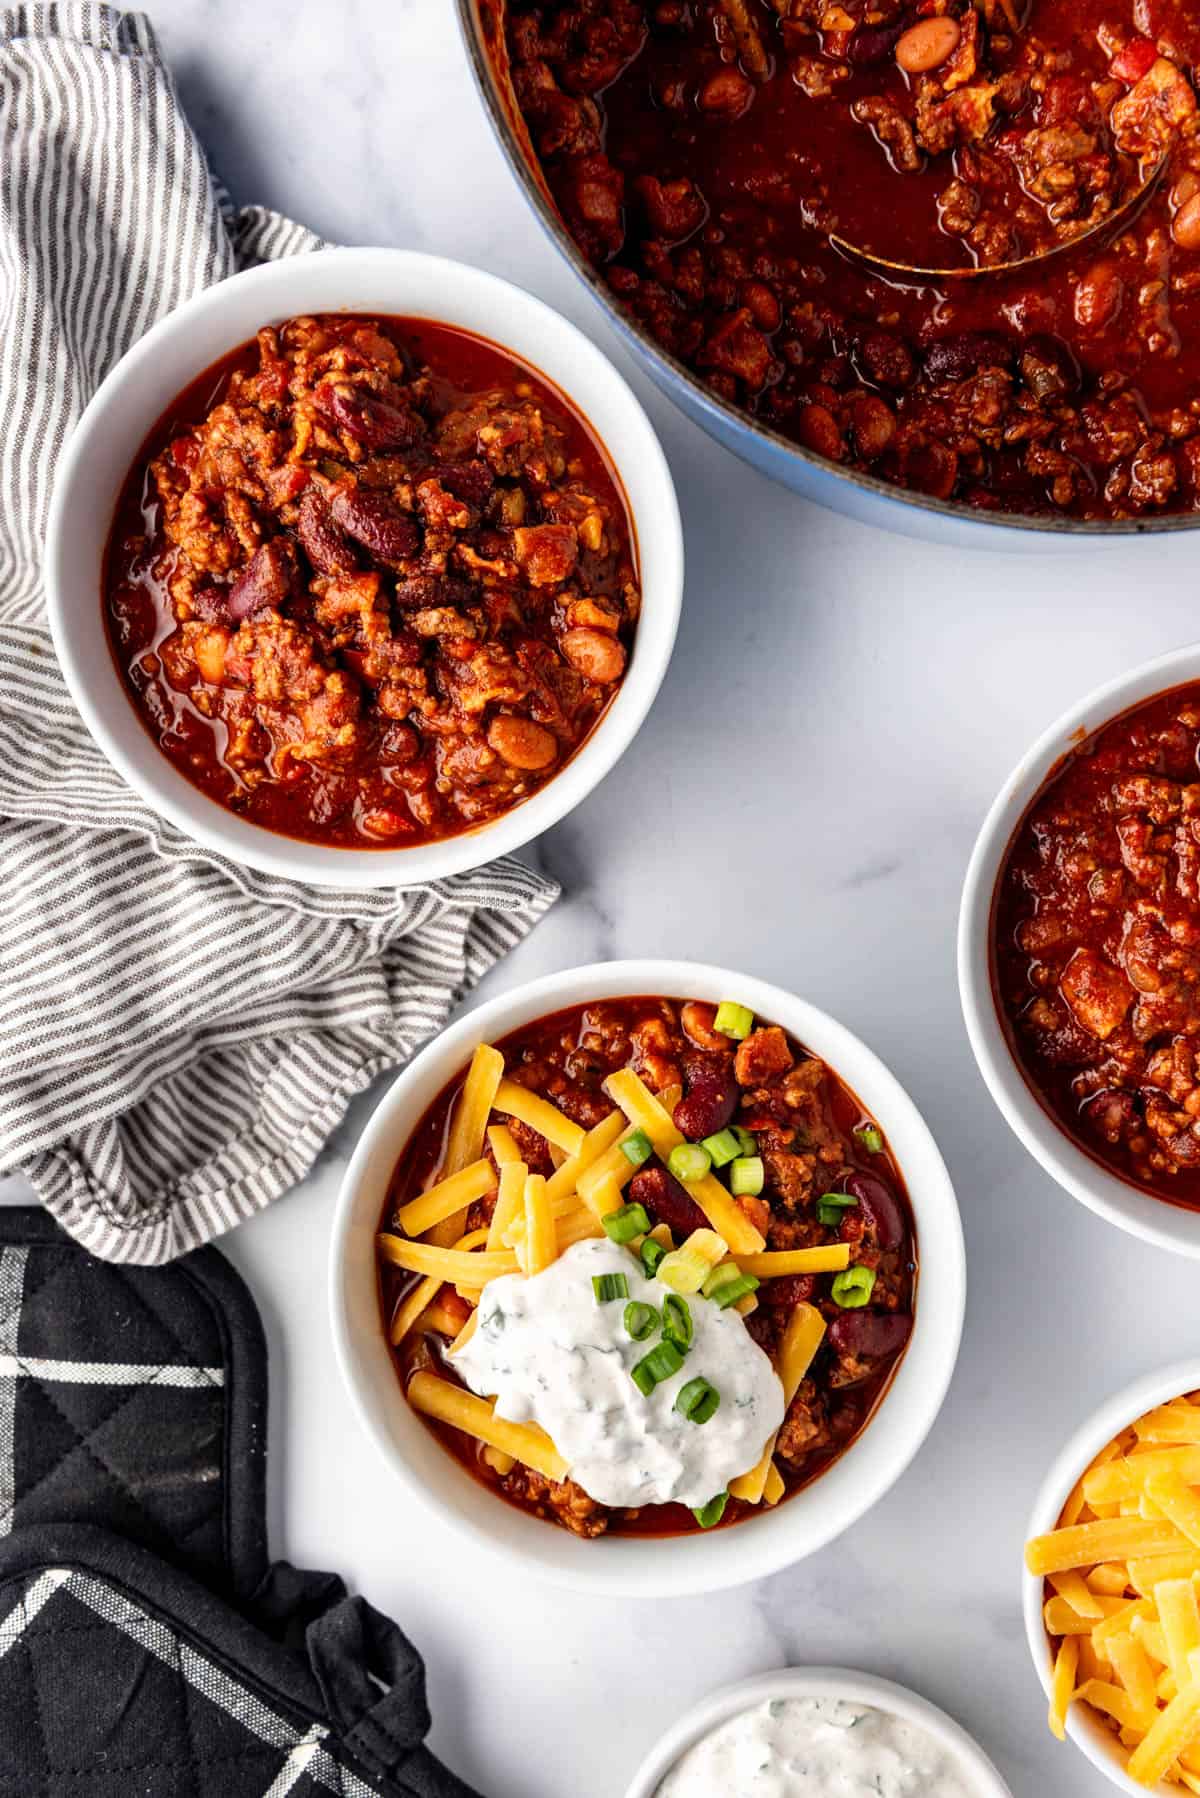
(805,1732)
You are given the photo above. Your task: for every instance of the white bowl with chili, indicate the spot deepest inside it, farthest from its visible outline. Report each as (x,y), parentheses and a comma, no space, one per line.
(360,627)
(1076,942)
(633,1555)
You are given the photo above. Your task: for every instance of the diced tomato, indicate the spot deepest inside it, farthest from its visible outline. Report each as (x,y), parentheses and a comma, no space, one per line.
(1134,61)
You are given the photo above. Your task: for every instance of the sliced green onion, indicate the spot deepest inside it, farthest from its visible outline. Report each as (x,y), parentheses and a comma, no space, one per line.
(652,1253)
(871,1138)
(727,1284)
(830,1206)
(746,1176)
(853,1289)
(677,1322)
(609,1286)
(689,1161)
(640,1320)
(663,1360)
(698,1401)
(637,1148)
(733,1020)
(626,1222)
(709,1515)
(747,1144)
(722,1147)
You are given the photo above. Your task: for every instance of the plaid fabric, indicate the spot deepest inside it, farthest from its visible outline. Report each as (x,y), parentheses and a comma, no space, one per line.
(117,1391)
(142,1709)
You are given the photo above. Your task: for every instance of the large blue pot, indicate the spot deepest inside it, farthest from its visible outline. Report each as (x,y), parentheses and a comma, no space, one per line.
(844,490)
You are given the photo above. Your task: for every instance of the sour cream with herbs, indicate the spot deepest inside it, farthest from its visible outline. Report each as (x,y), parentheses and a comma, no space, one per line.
(817,1748)
(550,1353)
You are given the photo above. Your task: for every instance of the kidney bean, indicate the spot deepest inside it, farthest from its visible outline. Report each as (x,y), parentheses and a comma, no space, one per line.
(471,482)
(373,422)
(711,1098)
(320,538)
(416,592)
(879,1206)
(666,1200)
(871,1335)
(791,1289)
(1048,368)
(872,44)
(266,581)
(375,521)
(956,358)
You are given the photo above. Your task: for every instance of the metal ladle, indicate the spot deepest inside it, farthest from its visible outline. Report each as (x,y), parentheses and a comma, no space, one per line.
(883,265)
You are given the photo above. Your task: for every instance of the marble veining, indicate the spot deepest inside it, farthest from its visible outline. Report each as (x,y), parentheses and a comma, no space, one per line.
(842,708)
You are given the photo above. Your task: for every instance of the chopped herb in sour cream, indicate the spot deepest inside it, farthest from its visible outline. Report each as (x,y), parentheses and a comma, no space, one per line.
(550,1354)
(817,1748)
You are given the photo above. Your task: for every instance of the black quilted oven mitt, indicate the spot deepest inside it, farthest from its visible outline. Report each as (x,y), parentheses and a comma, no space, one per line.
(146,1646)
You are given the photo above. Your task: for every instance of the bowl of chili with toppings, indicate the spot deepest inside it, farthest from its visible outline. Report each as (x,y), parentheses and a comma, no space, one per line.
(805,216)
(364,567)
(1079,945)
(649,1275)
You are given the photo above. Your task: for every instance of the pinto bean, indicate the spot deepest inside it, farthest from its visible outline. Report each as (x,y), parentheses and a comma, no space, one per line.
(697,1020)
(879,1207)
(871,1335)
(267,580)
(375,521)
(1099,296)
(522,743)
(1186,228)
(817,430)
(384,823)
(666,1200)
(728,92)
(928,45)
(373,422)
(711,1099)
(597,655)
(887,359)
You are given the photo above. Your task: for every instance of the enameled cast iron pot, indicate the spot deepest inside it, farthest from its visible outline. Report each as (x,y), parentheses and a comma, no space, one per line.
(859,496)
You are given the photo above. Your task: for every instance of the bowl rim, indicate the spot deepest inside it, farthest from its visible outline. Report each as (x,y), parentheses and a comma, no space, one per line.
(1118,1201)
(656,519)
(814,1682)
(685,1564)
(1108,1420)
(730,416)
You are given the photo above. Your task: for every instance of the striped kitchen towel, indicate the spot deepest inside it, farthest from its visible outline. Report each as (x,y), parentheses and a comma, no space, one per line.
(178,1036)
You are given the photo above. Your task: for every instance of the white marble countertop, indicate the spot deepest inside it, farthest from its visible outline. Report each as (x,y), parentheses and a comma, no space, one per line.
(902,682)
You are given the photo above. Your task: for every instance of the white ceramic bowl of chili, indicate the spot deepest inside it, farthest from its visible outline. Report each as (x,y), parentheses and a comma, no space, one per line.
(838,1683)
(1084,1726)
(652,1565)
(129,403)
(1085,1177)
